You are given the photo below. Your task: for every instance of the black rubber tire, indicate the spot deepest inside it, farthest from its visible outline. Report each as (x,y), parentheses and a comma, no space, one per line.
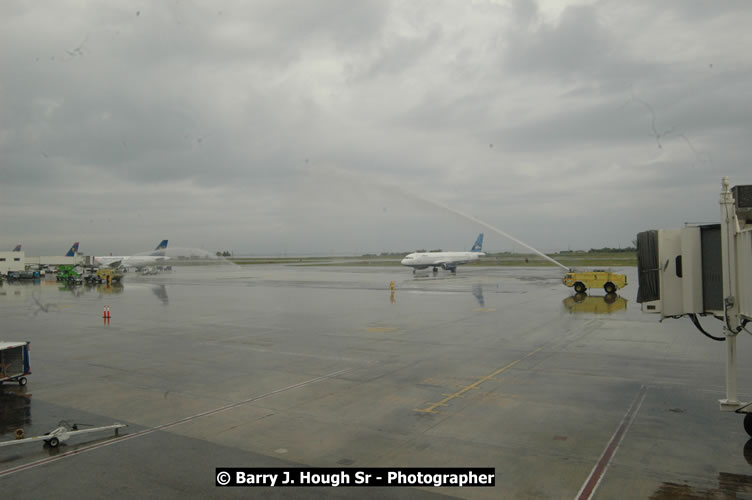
(53,442)
(579,287)
(748,451)
(748,423)
(22,381)
(609,287)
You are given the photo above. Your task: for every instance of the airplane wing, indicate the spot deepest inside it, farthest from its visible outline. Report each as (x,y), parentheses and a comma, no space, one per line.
(453,262)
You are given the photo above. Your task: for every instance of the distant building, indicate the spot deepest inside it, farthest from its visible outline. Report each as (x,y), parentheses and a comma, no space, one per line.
(58,260)
(11,261)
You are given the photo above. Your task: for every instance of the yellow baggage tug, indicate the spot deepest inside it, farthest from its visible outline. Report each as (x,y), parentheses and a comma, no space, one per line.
(607,280)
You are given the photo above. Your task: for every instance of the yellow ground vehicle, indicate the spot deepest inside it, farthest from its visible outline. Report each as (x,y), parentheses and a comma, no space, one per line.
(109,275)
(609,281)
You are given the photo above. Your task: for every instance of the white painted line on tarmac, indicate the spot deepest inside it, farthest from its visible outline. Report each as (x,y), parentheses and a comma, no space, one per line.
(31,465)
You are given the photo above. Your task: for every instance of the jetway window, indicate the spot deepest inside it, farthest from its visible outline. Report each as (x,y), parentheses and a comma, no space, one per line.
(679,266)
(712,278)
(2,259)
(17,259)
(647,267)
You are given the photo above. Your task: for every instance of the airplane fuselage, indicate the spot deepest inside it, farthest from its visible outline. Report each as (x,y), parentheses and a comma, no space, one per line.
(137,261)
(446,260)
(130,260)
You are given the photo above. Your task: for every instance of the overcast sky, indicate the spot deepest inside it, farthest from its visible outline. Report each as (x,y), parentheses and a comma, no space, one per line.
(286,127)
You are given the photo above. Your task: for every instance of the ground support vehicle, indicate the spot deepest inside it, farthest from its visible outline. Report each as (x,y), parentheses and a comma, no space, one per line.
(68,274)
(109,276)
(60,434)
(607,280)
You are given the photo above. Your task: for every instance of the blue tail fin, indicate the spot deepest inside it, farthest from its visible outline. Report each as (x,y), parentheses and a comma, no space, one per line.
(160,250)
(73,250)
(18,248)
(478,244)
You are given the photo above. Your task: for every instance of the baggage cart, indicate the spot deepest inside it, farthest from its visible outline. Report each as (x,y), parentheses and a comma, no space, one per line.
(14,362)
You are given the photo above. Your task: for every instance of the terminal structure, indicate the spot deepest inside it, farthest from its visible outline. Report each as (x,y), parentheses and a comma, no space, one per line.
(705,271)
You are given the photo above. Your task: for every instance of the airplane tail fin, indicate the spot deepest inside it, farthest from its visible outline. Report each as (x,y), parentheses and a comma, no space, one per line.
(478,246)
(18,248)
(160,250)
(73,250)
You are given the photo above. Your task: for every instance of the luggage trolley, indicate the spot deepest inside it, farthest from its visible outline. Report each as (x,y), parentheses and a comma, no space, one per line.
(14,362)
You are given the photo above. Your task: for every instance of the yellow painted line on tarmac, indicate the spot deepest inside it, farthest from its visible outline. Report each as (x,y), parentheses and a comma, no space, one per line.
(431,408)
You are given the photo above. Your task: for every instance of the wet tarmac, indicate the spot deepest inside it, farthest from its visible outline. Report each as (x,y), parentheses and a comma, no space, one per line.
(325,366)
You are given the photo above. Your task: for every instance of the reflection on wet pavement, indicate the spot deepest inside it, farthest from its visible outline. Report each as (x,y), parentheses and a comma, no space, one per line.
(15,409)
(594,304)
(478,294)
(729,486)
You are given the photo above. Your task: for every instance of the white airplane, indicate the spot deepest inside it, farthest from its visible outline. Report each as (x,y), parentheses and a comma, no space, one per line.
(137,261)
(444,260)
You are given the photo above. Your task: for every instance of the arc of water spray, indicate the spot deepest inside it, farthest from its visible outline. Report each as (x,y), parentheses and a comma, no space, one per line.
(485,224)
(344,174)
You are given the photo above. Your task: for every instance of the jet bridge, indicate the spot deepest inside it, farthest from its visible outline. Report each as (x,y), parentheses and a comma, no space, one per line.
(701,271)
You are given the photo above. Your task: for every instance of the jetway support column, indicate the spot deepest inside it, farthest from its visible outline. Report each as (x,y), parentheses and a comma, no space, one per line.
(729,229)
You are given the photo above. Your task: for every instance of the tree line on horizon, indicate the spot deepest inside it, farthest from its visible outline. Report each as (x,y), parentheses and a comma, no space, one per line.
(631,249)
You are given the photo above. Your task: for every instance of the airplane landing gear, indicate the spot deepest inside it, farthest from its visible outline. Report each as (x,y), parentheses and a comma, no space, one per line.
(435,269)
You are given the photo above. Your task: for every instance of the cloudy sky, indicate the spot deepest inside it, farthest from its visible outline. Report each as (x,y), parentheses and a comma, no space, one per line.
(288,126)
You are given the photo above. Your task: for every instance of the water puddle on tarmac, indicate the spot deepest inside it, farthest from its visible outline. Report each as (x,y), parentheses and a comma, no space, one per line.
(730,485)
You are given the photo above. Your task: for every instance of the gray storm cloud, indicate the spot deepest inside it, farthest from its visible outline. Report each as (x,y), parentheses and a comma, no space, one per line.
(223,124)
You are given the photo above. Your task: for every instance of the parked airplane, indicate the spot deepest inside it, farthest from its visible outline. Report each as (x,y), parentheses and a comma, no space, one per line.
(17,248)
(137,261)
(444,260)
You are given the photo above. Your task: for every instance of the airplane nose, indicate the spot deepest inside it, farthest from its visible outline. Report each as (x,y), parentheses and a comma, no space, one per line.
(403,261)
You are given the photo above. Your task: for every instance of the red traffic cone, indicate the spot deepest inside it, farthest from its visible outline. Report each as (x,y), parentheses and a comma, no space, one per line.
(104,314)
